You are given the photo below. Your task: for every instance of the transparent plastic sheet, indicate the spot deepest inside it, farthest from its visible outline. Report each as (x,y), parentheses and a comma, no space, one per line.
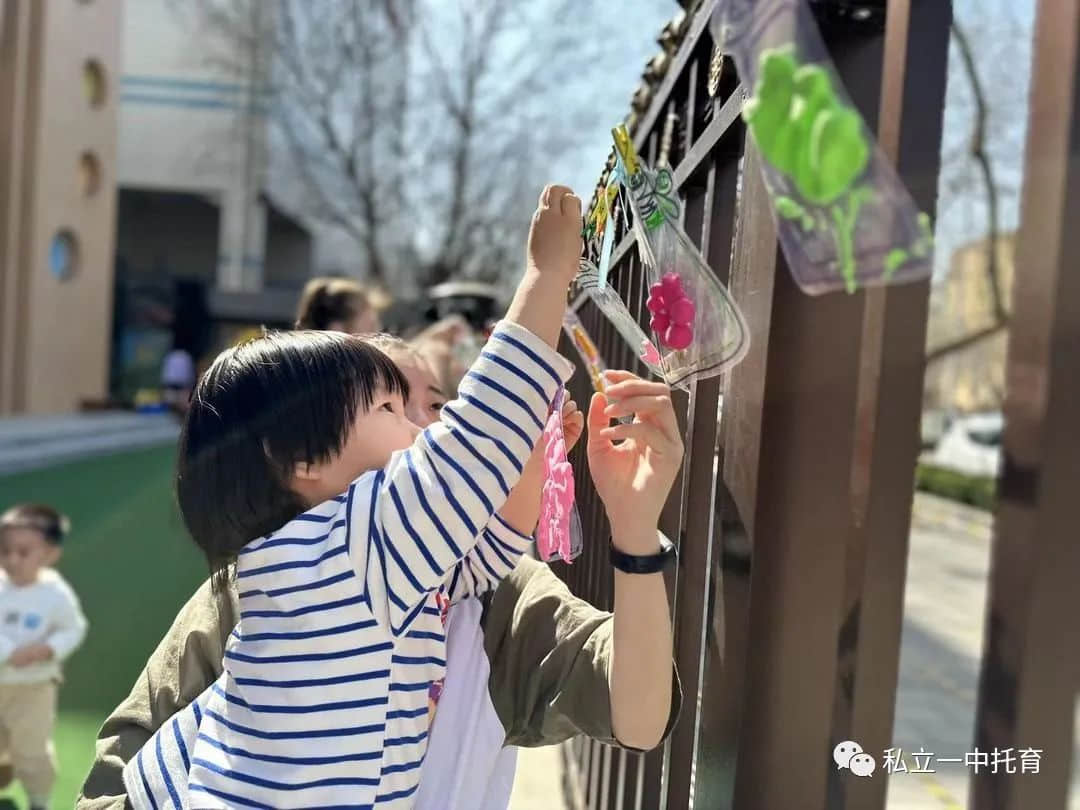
(697,325)
(843,217)
(608,301)
(586,349)
(558,532)
(589,354)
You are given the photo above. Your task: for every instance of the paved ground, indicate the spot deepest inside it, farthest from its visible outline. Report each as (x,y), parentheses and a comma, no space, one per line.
(538,783)
(942,639)
(33,442)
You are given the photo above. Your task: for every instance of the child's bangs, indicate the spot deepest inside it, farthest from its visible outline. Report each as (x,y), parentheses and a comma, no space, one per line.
(373,371)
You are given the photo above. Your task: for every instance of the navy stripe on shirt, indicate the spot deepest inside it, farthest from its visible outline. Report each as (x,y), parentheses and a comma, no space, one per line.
(307,586)
(468,427)
(517,371)
(305,682)
(367,624)
(365,756)
(517,344)
(505,421)
(266,708)
(302,657)
(288,566)
(335,781)
(169,786)
(277,542)
(506,392)
(311,734)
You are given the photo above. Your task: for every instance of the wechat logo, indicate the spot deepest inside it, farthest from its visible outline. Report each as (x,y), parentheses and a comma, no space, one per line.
(849,754)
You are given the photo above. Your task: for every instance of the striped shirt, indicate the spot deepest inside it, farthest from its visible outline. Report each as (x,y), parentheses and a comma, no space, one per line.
(323,701)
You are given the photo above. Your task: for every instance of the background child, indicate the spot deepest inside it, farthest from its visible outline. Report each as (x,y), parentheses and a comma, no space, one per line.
(41,623)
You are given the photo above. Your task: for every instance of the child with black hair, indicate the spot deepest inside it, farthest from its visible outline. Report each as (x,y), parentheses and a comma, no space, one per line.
(41,623)
(343,524)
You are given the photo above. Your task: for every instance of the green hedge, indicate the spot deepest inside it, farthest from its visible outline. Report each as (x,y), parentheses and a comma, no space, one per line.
(978,491)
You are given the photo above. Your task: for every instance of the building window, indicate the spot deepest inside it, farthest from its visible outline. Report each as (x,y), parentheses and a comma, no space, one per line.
(89,173)
(94,82)
(63,254)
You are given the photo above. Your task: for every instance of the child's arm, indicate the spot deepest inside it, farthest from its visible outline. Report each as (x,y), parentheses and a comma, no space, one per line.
(69,625)
(427,509)
(509,534)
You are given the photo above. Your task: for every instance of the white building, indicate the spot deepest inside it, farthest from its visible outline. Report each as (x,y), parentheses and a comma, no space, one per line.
(199,240)
(192,127)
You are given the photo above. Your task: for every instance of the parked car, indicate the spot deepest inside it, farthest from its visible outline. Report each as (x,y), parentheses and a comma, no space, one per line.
(933,427)
(971,445)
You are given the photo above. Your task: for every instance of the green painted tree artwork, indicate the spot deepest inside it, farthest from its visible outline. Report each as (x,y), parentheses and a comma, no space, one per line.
(822,162)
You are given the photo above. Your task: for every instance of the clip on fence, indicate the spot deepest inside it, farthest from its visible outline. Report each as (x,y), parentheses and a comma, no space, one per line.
(843,217)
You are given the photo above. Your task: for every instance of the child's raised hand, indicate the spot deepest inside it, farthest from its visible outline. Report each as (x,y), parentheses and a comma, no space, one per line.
(573,423)
(633,478)
(555,243)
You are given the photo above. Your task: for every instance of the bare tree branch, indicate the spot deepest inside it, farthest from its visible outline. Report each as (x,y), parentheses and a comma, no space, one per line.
(979,154)
(977,150)
(965,341)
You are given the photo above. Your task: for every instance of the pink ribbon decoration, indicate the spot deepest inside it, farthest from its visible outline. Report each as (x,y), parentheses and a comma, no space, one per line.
(553,532)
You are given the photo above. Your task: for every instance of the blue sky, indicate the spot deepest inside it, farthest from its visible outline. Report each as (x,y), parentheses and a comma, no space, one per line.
(1001,33)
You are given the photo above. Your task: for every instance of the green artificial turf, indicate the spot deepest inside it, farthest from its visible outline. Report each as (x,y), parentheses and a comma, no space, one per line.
(132,566)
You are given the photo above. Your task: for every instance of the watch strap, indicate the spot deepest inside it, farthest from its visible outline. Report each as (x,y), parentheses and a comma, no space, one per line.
(644,563)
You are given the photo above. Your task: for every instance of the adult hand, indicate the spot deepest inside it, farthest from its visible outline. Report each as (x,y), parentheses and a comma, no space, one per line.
(633,478)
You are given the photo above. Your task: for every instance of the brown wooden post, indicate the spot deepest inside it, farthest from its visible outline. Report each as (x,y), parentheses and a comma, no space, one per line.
(888,408)
(1031,660)
(839,413)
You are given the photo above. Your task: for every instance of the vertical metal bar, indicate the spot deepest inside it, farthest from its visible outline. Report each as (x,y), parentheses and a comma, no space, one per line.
(1031,660)
(639,787)
(594,774)
(888,406)
(691,98)
(605,780)
(694,573)
(620,783)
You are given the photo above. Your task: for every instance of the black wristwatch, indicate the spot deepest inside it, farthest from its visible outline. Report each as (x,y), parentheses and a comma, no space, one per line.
(645,563)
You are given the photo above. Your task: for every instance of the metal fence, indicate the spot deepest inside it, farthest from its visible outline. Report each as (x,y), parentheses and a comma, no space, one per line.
(793,508)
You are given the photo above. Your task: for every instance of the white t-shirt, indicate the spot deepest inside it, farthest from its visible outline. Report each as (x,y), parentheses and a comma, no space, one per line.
(466,767)
(47,611)
(178,369)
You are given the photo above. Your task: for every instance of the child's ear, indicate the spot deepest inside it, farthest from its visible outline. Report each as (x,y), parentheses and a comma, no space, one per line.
(52,557)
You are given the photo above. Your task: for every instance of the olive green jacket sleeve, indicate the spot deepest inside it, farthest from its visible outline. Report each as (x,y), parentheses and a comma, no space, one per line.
(550,656)
(185,663)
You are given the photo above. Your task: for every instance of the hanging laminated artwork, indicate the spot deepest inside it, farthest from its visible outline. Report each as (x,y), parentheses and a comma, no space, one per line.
(608,302)
(843,217)
(558,532)
(698,327)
